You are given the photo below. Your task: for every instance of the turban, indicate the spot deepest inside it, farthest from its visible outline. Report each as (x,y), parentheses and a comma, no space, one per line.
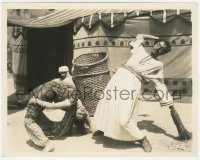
(63,69)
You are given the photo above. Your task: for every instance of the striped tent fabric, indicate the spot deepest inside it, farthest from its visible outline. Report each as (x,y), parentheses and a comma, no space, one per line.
(90,17)
(58,18)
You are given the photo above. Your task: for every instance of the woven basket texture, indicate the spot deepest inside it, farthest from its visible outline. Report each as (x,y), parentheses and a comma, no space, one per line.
(91,75)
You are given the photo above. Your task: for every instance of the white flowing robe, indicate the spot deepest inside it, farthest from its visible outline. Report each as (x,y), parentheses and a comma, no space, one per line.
(116,115)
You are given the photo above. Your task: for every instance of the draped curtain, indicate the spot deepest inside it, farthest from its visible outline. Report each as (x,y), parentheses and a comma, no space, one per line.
(19,57)
(48,49)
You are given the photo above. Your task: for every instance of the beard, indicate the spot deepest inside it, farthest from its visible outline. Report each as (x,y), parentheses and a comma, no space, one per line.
(154,53)
(62,77)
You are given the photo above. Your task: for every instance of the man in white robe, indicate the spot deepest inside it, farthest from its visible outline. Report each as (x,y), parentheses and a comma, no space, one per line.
(117,117)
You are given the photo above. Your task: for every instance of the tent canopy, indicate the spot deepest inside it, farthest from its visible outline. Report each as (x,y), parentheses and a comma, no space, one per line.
(57,18)
(90,17)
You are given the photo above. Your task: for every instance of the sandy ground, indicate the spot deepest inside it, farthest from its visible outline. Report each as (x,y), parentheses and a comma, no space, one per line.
(154,121)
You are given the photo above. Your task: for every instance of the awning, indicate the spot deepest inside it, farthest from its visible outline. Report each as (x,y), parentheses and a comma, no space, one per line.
(57,18)
(113,19)
(90,17)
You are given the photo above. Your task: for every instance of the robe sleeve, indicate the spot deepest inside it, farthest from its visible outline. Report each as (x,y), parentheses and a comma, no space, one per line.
(135,44)
(165,98)
(155,74)
(150,71)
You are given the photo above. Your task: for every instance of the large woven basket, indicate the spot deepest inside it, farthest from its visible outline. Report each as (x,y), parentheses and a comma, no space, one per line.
(91,74)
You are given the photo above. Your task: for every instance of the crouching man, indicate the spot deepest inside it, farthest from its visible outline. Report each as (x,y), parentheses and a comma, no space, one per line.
(52,95)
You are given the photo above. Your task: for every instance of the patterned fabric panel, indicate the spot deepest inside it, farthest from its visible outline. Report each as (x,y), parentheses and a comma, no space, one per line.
(112,20)
(176,86)
(115,41)
(104,41)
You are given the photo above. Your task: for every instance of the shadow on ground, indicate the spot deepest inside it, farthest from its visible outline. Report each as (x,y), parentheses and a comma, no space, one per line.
(151,127)
(16,103)
(33,145)
(114,144)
